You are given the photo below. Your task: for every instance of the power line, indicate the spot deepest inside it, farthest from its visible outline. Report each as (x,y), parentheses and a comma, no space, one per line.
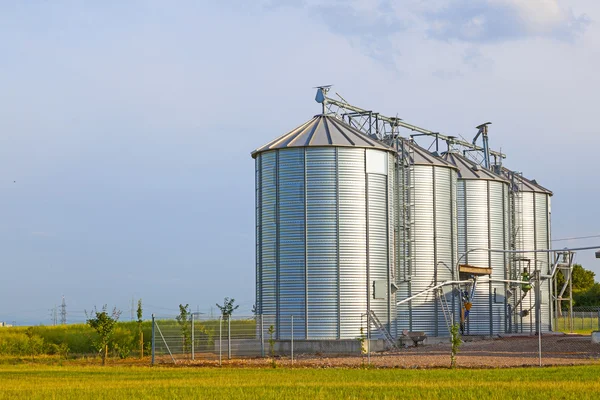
(575,238)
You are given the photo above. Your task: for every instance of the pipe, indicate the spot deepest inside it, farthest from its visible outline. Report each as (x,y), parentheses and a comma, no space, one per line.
(564,250)
(433,288)
(393,121)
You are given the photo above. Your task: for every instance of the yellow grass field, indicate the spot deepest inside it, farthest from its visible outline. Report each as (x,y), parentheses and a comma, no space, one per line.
(124,382)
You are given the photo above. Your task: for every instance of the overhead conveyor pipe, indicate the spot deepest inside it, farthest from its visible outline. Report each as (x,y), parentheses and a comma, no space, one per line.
(394,121)
(432,289)
(564,250)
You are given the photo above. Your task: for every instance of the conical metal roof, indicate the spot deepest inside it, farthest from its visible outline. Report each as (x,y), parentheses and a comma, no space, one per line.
(321,131)
(523,184)
(467,169)
(419,156)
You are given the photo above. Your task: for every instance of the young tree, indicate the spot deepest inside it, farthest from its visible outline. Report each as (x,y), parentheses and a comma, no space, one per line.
(455,341)
(104,324)
(140,331)
(184,319)
(227,308)
(35,343)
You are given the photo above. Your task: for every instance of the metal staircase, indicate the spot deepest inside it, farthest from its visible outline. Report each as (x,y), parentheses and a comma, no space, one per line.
(446,309)
(384,332)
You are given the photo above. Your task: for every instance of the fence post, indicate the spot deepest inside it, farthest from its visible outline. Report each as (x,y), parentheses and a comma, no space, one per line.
(220,337)
(193,337)
(292,343)
(262,336)
(538,312)
(153,340)
(368,338)
(598,311)
(229,337)
(491,307)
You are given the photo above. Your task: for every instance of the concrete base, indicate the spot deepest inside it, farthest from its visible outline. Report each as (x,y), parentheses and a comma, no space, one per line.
(596,337)
(252,347)
(343,346)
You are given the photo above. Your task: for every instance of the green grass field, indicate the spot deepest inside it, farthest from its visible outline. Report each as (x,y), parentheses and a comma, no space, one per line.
(87,382)
(581,325)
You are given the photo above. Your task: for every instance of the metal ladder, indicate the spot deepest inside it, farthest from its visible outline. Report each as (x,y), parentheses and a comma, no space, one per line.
(445,308)
(516,198)
(386,335)
(408,204)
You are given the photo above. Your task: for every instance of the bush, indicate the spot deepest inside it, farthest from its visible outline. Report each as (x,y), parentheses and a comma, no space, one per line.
(123,341)
(76,339)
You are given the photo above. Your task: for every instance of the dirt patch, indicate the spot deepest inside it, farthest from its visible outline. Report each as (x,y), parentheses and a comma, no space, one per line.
(474,353)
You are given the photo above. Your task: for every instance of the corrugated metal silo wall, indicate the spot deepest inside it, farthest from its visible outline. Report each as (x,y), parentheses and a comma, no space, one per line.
(483,223)
(543,241)
(432,250)
(321,219)
(267,234)
(291,238)
(353,248)
(533,224)
(321,244)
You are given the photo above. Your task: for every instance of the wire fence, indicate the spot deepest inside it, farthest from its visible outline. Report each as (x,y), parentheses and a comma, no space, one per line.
(584,320)
(255,341)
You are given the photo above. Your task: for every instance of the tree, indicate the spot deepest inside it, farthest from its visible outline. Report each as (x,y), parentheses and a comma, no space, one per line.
(590,297)
(455,341)
(183,319)
(35,343)
(583,279)
(140,331)
(104,324)
(585,290)
(227,308)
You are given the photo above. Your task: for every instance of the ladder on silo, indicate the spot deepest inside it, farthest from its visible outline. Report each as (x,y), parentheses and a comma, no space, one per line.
(407,209)
(516,239)
(384,332)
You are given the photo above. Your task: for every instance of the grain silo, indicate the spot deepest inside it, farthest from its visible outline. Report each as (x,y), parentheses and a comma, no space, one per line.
(426,246)
(483,223)
(324,231)
(531,227)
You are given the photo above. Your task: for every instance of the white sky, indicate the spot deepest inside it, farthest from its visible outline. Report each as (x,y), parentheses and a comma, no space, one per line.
(126,128)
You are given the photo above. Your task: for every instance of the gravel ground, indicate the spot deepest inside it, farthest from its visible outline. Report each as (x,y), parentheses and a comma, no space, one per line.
(516,351)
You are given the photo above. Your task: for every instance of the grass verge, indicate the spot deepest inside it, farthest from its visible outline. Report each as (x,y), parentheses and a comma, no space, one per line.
(122,382)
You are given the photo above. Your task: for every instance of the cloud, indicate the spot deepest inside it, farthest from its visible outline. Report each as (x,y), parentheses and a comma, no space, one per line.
(503,20)
(385,30)
(368,26)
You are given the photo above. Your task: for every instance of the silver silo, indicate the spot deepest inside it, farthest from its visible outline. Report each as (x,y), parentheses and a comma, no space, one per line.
(324,231)
(426,245)
(483,223)
(531,230)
